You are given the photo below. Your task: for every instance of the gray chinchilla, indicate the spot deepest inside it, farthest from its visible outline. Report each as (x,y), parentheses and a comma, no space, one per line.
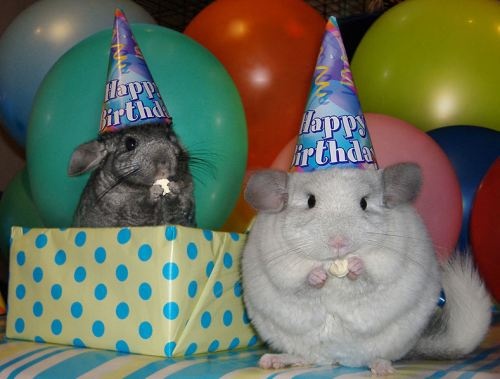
(383,306)
(121,190)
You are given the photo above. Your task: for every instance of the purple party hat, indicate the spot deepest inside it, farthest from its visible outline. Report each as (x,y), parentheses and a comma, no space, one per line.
(132,97)
(333,131)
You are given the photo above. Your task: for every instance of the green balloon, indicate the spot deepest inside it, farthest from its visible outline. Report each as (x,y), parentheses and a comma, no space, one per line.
(198,92)
(433,63)
(16,209)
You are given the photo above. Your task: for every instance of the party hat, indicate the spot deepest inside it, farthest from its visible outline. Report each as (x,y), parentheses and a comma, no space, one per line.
(132,97)
(333,131)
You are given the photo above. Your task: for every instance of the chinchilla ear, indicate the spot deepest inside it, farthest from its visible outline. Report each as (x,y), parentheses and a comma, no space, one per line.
(86,157)
(266,190)
(402,183)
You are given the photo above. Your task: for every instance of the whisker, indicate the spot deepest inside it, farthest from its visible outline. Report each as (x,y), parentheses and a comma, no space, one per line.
(119,180)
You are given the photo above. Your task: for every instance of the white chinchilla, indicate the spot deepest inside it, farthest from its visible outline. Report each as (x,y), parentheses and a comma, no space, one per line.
(385,308)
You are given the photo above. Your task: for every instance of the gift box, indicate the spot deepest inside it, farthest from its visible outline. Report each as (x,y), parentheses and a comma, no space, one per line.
(168,290)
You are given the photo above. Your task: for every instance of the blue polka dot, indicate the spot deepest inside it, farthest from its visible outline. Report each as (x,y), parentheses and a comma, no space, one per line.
(169,348)
(209,269)
(192,251)
(78,342)
(100,291)
(76,309)
(124,236)
(145,252)
(238,290)
(228,260)
(206,319)
(38,339)
(246,319)
(145,330)
(21,258)
(56,327)
(37,274)
(145,291)
(100,255)
(122,311)
(80,239)
(98,328)
(214,345)
(218,289)
(227,319)
(80,274)
(235,236)
(19,325)
(234,343)
(26,230)
(37,309)
(122,346)
(60,257)
(208,235)
(41,241)
(191,349)
(171,233)
(122,273)
(192,289)
(171,310)
(170,271)
(253,341)
(56,291)
(20,291)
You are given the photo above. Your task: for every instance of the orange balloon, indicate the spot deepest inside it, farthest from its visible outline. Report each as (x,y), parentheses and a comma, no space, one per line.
(270,50)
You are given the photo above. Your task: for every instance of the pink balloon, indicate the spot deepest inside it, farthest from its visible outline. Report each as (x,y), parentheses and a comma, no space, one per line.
(440,201)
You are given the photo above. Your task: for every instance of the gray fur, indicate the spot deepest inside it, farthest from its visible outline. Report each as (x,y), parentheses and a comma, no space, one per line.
(382,309)
(120,190)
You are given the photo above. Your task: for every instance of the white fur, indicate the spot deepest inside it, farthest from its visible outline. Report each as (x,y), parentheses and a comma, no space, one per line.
(376,318)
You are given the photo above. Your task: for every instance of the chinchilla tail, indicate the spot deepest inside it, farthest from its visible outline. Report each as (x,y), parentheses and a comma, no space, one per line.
(460,325)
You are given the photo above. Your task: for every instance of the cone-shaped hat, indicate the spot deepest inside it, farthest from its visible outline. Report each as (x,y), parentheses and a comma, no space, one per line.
(333,131)
(131,96)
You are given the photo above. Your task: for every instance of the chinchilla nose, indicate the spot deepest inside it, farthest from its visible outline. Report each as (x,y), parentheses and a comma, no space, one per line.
(339,244)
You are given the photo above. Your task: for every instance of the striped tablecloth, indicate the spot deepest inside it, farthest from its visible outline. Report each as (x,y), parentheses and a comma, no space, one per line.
(21,359)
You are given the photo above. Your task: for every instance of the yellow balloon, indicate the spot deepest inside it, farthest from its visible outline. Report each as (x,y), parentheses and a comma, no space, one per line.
(433,63)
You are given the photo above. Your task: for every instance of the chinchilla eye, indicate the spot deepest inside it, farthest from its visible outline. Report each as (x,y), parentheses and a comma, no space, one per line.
(363,203)
(311,201)
(130,143)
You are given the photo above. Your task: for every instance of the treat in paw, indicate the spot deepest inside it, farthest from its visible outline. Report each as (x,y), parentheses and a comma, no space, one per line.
(355,266)
(276,361)
(163,184)
(339,268)
(317,277)
(156,192)
(381,367)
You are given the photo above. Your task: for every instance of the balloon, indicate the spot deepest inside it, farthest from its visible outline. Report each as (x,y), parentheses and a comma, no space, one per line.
(270,49)
(432,63)
(16,209)
(439,202)
(484,228)
(37,38)
(471,150)
(199,94)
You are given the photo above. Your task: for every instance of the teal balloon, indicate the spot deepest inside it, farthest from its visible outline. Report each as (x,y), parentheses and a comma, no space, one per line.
(37,38)
(200,95)
(16,209)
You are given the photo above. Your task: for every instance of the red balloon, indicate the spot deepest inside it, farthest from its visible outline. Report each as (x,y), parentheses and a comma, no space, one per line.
(270,50)
(440,201)
(485,228)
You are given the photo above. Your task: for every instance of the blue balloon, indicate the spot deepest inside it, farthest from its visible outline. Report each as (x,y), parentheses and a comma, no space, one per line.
(471,150)
(37,38)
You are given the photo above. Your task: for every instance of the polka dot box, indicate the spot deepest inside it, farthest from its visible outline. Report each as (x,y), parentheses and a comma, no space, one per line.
(167,291)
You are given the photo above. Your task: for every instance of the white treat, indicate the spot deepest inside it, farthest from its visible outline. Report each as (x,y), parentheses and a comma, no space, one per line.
(163,183)
(339,268)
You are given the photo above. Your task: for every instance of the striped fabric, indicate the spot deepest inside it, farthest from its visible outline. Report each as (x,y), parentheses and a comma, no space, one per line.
(21,359)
